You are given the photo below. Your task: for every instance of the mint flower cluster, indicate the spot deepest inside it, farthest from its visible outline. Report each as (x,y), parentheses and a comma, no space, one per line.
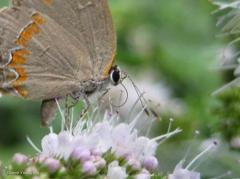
(97,147)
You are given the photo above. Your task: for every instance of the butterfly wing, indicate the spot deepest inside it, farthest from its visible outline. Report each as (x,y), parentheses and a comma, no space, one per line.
(39,58)
(89,21)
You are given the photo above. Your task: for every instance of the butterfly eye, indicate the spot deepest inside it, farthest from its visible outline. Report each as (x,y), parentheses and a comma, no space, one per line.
(115,76)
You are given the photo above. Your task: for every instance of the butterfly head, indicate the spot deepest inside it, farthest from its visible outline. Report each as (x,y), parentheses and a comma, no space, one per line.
(115,75)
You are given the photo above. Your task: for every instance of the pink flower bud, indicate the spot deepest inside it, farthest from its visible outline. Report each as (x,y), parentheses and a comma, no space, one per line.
(96,152)
(52,164)
(89,168)
(135,164)
(41,158)
(143,176)
(81,154)
(32,171)
(151,163)
(20,158)
(127,156)
(92,158)
(100,163)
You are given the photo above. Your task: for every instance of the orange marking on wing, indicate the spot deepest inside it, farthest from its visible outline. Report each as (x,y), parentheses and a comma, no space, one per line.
(20,81)
(107,69)
(31,30)
(17,60)
(27,34)
(22,76)
(48,2)
(22,52)
(22,91)
(38,19)
(18,57)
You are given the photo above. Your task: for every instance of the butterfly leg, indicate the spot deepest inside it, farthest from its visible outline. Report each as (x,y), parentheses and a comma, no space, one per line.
(103,95)
(84,111)
(68,109)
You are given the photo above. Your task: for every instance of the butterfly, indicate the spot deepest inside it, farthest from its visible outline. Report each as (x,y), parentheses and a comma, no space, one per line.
(50,49)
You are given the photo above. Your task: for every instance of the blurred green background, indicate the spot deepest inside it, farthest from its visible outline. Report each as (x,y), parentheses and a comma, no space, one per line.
(176,42)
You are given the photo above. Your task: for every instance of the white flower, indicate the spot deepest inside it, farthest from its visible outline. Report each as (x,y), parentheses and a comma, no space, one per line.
(65,144)
(182,173)
(50,145)
(122,139)
(60,145)
(96,138)
(116,172)
(145,147)
(143,175)
(104,134)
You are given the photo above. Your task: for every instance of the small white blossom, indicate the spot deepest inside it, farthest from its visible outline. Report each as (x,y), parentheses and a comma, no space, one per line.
(144,147)
(183,173)
(20,158)
(116,172)
(122,139)
(144,174)
(50,145)
(65,144)
(95,137)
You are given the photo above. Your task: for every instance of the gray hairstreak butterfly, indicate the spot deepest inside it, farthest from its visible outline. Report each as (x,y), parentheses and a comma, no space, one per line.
(53,48)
